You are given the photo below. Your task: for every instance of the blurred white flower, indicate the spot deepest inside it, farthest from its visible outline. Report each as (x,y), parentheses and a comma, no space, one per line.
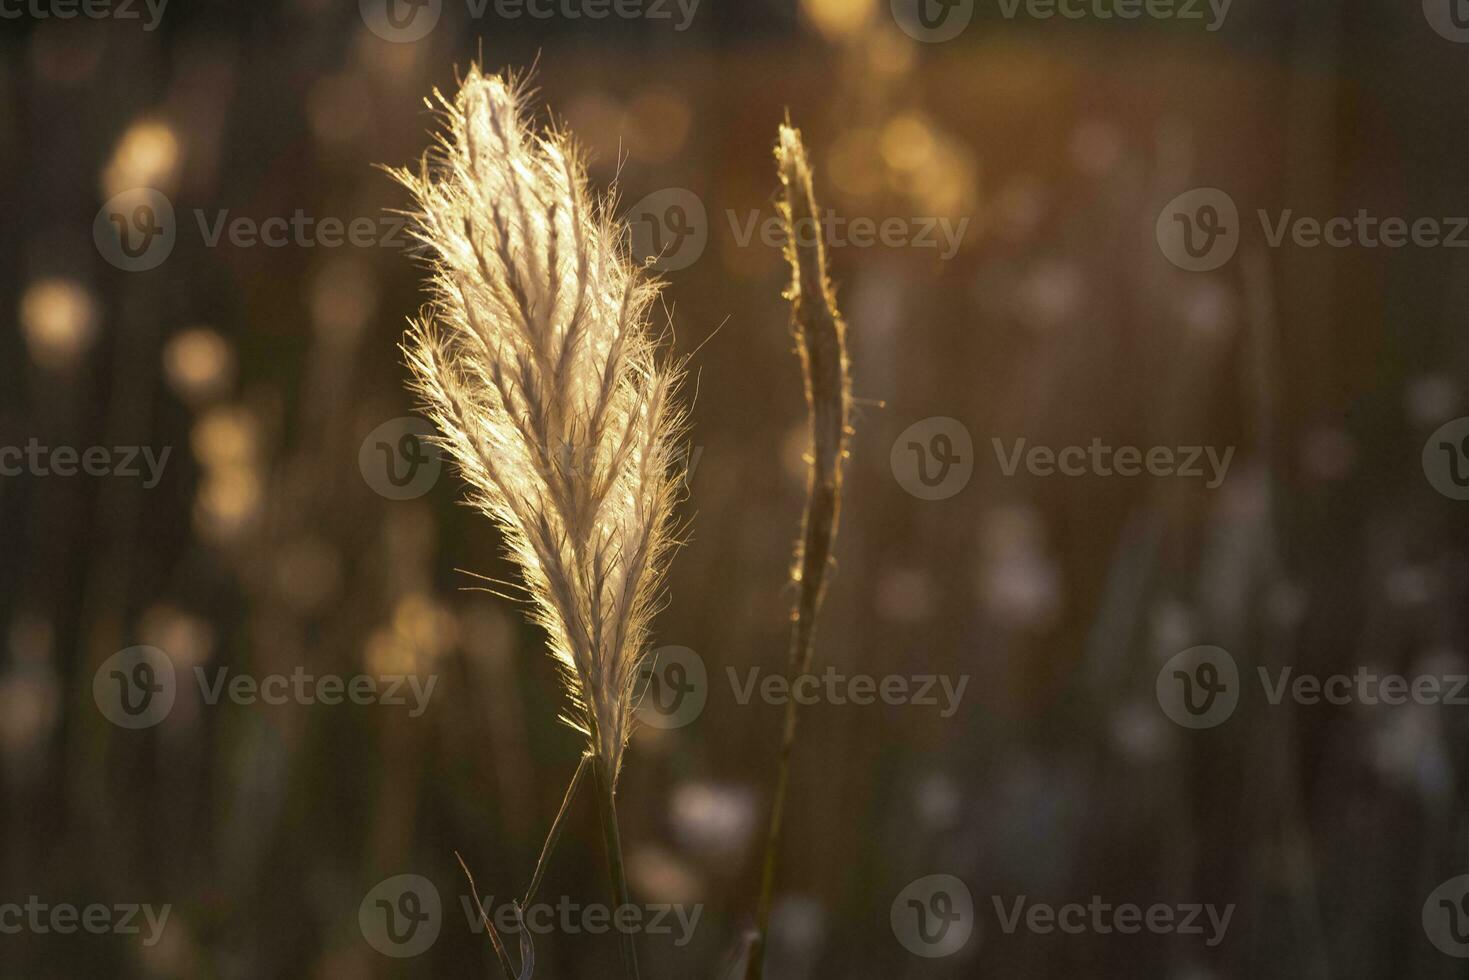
(717,820)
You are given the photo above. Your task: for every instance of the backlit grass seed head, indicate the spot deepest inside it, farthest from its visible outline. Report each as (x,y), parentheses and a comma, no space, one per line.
(538,364)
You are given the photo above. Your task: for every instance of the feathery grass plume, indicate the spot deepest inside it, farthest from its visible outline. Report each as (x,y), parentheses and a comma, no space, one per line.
(821,342)
(538,364)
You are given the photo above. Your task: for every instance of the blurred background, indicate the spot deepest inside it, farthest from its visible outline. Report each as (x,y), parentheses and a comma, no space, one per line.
(272,540)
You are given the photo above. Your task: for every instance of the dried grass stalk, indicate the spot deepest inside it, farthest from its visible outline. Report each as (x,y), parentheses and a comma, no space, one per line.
(821,342)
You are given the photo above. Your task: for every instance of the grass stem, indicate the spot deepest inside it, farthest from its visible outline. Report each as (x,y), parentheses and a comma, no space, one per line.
(607,810)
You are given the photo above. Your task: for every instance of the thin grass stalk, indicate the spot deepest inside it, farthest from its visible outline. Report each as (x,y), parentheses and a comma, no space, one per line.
(821,343)
(616,872)
(554,836)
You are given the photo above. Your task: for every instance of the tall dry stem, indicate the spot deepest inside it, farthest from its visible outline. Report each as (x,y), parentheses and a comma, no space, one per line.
(822,345)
